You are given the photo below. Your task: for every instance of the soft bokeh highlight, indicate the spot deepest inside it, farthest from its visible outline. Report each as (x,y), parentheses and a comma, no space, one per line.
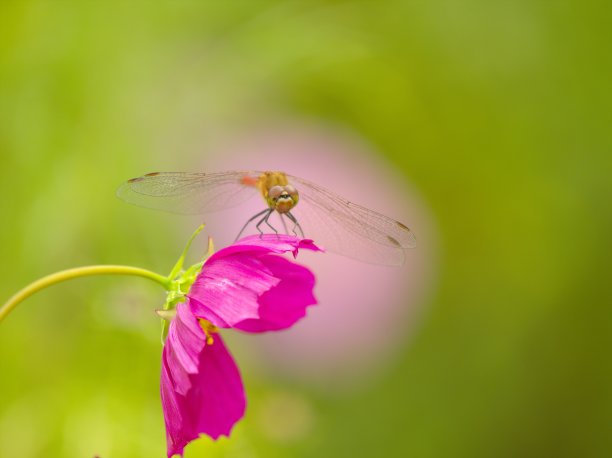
(382,300)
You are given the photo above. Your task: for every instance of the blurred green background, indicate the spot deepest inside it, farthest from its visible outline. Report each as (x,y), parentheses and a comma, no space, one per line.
(498,112)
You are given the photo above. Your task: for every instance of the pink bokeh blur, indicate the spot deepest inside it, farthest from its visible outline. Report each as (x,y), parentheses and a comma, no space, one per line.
(365,312)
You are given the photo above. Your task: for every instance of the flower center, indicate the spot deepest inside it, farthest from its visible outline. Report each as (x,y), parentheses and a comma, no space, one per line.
(209,329)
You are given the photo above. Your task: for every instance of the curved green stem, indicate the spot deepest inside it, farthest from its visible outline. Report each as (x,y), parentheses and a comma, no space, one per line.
(77,272)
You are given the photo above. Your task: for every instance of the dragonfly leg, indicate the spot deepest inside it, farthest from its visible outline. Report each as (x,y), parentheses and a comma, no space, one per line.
(264,220)
(295,224)
(284,223)
(249,221)
(269,225)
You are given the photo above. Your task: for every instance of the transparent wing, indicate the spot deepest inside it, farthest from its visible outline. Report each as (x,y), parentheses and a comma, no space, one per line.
(188,193)
(350,229)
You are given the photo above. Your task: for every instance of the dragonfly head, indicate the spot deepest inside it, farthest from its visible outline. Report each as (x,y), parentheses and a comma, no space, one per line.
(282,198)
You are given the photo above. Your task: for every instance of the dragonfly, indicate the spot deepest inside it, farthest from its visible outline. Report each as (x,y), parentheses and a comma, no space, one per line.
(338,224)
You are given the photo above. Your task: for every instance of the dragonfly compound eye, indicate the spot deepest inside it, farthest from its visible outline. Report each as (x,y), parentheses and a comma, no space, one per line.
(292,192)
(275,192)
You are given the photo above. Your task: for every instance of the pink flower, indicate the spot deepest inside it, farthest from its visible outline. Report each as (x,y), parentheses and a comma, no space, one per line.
(246,286)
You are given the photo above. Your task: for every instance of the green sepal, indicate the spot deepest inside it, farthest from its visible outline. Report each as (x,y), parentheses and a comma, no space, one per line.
(179,264)
(180,282)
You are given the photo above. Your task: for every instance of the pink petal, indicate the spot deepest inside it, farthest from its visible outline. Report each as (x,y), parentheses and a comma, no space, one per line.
(248,286)
(284,304)
(228,288)
(184,343)
(201,389)
(269,243)
(217,400)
